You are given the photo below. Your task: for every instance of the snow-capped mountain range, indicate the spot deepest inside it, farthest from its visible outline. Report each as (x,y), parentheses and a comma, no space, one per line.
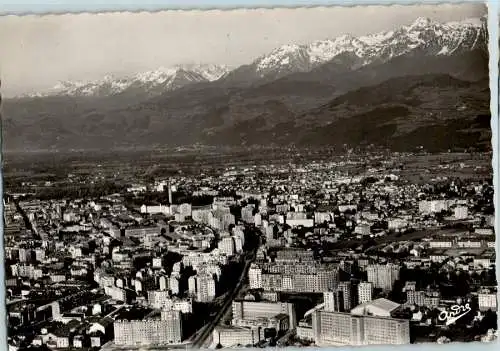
(424,35)
(430,37)
(162,79)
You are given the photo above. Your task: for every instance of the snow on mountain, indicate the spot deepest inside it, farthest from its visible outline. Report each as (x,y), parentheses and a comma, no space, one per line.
(423,34)
(156,81)
(280,56)
(209,72)
(325,50)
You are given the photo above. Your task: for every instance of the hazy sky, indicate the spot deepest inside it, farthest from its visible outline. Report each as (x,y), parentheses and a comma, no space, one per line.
(38,51)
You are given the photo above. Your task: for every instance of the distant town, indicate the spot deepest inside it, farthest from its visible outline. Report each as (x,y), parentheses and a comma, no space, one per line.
(359,249)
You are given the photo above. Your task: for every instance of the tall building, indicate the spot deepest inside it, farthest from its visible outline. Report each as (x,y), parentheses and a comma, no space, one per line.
(205,288)
(344,288)
(333,301)
(238,244)
(367,324)
(163,280)
(238,232)
(247,213)
(257,219)
(333,328)
(255,277)
(192,285)
(327,279)
(170,201)
(300,278)
(167,330)
(383,276)
(174,322)
(461,212)
(270,233)
(384,330)
(174,285)
(428,297)
(365,290)
(226,245)
(487,300)
(56,310)
(39,254)
(138,285)
(24,255)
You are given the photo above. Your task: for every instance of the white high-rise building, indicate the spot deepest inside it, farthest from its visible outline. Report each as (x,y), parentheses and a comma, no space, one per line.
(24,255)
(56,310)
(263,204)
(247,214)
(461,212)
(170,200)
(287,282)
(238,244)
(258,219)
(39,254)
(174,285)
(329,298)
(487,301)
(138,285)
(167,330)
(239,232)
(205,285)
(255,277)
(192,285)
(383,276)
(365,290)
(163,283)
(226,245)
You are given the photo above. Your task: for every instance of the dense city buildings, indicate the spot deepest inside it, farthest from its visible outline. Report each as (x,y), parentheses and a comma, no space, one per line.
(194,187)
(226,270)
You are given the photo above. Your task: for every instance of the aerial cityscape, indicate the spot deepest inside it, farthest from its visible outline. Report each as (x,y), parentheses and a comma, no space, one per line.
(327,192)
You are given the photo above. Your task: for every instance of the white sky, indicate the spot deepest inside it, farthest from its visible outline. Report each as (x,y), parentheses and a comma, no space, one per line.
(38,51)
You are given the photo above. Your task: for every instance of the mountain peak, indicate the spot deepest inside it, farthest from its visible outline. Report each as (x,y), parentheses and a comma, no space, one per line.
(282,57)
(210,72)
(421,22)
(287,48)
(152,81)
(423,35)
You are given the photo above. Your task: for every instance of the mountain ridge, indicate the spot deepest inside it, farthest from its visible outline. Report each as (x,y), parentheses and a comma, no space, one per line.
(423,34)
(161,79)
(423,87)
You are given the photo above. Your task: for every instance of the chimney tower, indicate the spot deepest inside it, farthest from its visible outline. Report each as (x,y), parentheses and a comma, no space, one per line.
(169,193)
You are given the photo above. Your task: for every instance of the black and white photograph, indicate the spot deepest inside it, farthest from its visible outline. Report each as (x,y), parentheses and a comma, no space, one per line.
(248,178)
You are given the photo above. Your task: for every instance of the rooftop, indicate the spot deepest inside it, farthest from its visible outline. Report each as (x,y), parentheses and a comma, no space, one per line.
(384,305)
